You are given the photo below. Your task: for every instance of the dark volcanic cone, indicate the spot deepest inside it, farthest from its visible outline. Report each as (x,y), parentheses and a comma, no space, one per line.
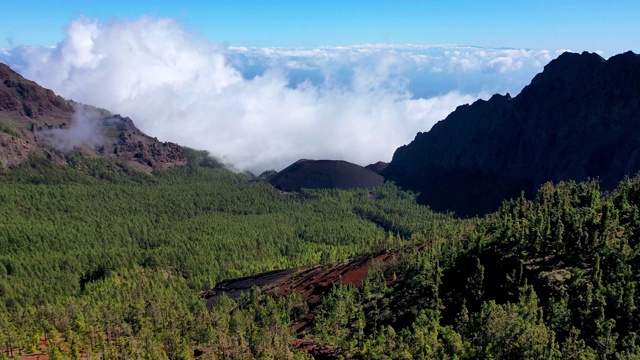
(325,174)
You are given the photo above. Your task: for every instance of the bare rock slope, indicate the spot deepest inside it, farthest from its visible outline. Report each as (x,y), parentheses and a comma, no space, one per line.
(34,120)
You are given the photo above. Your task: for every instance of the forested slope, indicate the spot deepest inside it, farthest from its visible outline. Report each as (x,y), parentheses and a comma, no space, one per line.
(552,278)
(115,262)
(115,269)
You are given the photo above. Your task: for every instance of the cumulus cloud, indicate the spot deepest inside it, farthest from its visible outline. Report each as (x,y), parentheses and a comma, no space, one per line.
(502,64)
(262,108)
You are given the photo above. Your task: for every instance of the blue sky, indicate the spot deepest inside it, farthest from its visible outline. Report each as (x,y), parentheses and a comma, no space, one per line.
(610,26)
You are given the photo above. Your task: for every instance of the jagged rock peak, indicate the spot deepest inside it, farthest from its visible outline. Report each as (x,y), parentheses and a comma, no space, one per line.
(578,118)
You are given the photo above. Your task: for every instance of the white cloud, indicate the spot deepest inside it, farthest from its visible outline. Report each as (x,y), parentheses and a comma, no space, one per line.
(261,108)
(561,51)
(85,130)
(502,64)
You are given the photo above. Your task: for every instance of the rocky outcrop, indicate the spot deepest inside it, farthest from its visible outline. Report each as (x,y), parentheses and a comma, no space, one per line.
(325,174)
(578,119)
(378,167)
(36,120)
(27,97)
(133,146)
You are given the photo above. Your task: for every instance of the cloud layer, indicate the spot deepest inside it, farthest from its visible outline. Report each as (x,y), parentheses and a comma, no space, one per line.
(263,108)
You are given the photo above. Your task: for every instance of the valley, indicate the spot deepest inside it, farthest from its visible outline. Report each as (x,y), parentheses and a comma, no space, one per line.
(122,246)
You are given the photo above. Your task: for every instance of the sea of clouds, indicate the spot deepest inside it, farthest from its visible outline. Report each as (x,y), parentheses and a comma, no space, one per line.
(264,108)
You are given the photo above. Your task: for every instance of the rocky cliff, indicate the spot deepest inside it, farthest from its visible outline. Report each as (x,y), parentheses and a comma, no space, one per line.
(34,120)
(578,119)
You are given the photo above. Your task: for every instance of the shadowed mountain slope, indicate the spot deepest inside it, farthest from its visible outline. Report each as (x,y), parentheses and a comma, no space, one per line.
(577,119)
(325,174)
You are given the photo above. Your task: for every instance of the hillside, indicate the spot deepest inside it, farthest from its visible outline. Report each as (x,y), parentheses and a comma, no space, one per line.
(578,119)
(325,174)
(552,278)
(36,122)
(103,264)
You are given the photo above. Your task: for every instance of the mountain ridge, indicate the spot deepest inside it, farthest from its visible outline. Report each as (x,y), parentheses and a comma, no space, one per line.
(35,121)
(577,119)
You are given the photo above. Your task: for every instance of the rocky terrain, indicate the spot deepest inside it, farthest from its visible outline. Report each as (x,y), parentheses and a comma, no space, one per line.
(578,119)
(310,282)
(325,174)
(34,120)
(378,167)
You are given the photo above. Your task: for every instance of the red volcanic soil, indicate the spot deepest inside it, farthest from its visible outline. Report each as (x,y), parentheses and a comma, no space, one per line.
(325,174)
(42,355)
(310,282)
